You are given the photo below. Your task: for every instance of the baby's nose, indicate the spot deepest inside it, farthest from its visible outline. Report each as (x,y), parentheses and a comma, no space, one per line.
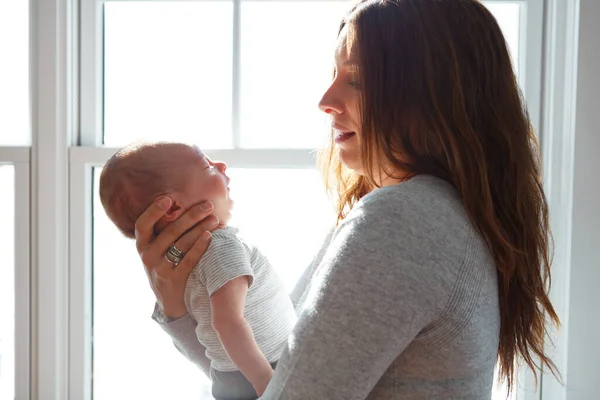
(221,166)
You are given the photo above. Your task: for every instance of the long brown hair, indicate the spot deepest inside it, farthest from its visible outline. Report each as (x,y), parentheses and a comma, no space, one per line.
(439,96)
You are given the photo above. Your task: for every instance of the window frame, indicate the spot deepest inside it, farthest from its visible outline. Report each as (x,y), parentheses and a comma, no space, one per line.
(88,152)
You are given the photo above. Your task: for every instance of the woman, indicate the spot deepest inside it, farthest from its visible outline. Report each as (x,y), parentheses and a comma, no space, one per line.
(439,262)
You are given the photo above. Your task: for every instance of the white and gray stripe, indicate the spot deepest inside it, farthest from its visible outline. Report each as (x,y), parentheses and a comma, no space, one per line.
(268,311)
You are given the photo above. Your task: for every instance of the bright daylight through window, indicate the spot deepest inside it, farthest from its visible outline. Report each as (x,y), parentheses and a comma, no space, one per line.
(7,287)
(14,73)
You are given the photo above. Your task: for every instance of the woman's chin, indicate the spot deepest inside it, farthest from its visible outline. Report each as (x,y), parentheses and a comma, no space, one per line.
(351,160)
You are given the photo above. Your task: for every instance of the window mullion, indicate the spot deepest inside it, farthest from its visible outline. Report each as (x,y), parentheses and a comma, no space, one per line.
(22,279)
(80,279)
(52,34)
(236,76)
(530,63)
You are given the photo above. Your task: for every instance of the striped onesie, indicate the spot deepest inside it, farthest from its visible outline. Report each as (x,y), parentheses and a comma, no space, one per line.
(268,310)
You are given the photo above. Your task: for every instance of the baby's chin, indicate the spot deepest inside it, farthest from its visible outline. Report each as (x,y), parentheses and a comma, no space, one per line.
(223,212)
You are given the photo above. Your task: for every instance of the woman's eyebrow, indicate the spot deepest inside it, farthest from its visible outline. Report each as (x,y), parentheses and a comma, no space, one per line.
(350,65)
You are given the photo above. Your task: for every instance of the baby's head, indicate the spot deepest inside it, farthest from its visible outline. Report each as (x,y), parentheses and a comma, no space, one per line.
(137,175)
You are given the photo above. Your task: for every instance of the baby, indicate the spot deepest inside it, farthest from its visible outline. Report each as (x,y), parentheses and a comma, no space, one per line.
(243,312)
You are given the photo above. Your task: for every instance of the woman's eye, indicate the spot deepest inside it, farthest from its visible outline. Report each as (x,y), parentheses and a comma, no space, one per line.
(354,84)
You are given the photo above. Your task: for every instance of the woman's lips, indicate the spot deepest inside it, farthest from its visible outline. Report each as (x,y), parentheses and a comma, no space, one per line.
(342,136)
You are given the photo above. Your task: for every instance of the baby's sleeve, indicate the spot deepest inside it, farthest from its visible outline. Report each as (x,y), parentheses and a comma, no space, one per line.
(225,259)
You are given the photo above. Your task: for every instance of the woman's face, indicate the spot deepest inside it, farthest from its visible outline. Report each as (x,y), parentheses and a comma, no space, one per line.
(341,102)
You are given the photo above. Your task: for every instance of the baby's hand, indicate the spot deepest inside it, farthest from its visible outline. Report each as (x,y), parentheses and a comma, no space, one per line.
(262,384)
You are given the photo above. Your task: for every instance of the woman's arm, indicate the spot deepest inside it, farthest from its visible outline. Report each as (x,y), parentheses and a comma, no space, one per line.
(182,332)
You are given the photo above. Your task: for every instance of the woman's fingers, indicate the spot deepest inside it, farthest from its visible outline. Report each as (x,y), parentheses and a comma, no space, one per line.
(193,255)
(174,230)
(187,240)
(144,226)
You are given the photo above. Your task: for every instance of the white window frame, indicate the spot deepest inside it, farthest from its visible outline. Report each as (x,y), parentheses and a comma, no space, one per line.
(65,151)
(53,36)
(558,148)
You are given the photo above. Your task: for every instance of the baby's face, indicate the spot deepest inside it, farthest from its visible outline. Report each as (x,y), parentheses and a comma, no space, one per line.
(205,180)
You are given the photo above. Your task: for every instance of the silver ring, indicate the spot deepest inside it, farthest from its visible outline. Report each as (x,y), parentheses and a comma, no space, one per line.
(174,255)
(175,251)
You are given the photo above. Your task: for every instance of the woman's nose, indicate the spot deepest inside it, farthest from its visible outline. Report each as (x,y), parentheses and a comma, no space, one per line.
(329,103)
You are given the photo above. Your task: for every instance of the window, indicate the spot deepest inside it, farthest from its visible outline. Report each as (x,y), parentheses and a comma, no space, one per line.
(279,49)
(168,69)
(14,270)
(508,15)
(7,287)
(15,137)
(123,330)
(178,70)
(14,73)
(218,74)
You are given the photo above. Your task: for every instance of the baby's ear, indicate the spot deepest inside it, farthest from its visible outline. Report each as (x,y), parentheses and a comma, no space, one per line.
(174,212)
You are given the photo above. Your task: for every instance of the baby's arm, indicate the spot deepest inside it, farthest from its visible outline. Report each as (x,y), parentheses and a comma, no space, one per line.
(228,320)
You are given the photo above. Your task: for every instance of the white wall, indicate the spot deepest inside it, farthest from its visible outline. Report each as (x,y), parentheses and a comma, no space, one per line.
(583,325)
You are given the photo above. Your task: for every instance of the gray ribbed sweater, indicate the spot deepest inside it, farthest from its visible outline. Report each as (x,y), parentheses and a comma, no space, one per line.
(400,303)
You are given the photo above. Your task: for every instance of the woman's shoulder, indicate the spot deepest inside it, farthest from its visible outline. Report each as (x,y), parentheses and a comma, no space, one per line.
(422,196)
(422,210)
(418,219)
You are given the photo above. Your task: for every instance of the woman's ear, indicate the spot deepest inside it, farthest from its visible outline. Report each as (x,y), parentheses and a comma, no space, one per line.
(174,211)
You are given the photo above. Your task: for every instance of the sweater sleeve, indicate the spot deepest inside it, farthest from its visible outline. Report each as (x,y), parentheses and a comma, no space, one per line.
(375,289)
(182,332)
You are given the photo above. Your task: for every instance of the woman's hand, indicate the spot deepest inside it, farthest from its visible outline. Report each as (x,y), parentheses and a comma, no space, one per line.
(168,281)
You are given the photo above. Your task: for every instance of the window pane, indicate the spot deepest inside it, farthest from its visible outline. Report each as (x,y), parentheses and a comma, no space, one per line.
(283,75)
(285,69)
(500,392)
(282,211)
(508,16)
(14,73)
(7,288)
(168,69)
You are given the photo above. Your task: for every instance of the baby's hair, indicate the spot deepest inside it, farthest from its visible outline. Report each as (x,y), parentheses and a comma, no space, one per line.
(134,177)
